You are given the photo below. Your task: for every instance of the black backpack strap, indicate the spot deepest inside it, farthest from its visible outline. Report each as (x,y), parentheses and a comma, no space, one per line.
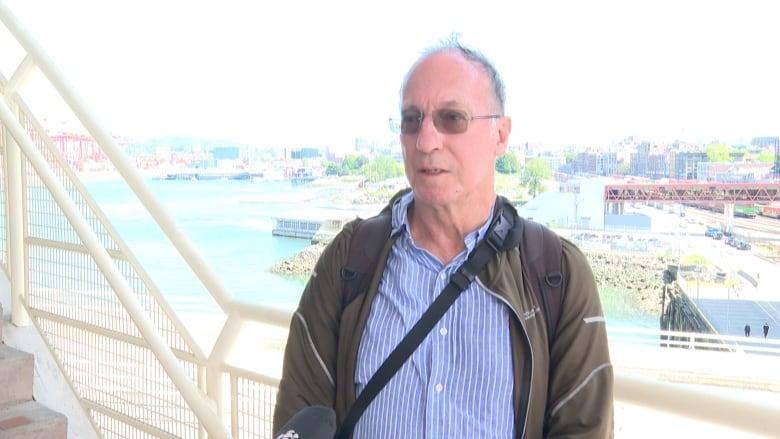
(369,236)
(541,258)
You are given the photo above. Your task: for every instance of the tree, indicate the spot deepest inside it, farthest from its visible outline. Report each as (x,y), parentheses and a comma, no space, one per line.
(353,163)
(507,163)
(766,157)
(331,168)
(532,175)
(717,152)
(571,157)
(382,168)
(624,168)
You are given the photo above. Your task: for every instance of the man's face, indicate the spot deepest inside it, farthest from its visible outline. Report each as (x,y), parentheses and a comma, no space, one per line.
(445,168)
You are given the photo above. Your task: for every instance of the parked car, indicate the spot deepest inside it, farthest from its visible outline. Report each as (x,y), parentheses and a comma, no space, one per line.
(742,245)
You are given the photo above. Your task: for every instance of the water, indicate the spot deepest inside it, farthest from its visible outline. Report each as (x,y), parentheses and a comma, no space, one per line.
(230,223)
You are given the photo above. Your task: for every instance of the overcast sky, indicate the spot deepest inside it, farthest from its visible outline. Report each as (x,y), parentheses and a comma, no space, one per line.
(313,73)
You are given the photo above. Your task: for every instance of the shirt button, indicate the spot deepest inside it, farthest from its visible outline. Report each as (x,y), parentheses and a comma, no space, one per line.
(443,331)
(443,275)
(439,388)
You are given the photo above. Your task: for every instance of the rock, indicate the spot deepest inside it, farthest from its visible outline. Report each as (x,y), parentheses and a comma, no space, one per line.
(637,274)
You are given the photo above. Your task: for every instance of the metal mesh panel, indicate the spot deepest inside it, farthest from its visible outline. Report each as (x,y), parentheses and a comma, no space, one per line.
(113,428)
(255,403)
(122,377)
(39,221)
(67,281)
(89,329)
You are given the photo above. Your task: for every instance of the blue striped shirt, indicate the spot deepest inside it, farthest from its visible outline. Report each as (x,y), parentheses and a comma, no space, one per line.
(459,381)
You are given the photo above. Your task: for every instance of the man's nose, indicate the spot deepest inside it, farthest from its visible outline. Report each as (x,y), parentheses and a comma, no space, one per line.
(428,137)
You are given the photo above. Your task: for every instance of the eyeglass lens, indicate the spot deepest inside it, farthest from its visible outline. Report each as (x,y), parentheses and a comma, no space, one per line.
(445,120)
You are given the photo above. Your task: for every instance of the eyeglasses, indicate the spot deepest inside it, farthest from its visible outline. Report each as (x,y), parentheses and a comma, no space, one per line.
(445,120)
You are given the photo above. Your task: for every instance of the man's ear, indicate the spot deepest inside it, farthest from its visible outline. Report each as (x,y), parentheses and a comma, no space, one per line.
(504,126)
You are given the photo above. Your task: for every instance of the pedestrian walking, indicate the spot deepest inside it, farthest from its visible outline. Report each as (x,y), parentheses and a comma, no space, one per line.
(766,329)
(747,330)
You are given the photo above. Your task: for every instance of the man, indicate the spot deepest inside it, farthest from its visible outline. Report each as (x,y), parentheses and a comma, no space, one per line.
(747,330)
(486,369)
(766,329)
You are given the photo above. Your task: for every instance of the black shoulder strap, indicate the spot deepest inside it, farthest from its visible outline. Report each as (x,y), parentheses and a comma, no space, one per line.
(367,240)
(369,236)
(541,255)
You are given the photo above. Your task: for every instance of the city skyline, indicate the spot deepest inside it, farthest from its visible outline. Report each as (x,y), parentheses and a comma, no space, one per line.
(323,75)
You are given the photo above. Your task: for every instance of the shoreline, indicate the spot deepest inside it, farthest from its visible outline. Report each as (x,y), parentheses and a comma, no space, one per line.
(637,275)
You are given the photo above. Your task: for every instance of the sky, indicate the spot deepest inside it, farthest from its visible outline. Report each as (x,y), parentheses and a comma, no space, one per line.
(314,73)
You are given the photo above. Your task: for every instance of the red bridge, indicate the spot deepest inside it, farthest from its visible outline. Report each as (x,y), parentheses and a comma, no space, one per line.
(679,192)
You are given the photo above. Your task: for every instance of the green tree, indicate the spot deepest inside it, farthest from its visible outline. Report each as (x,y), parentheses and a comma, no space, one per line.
(571,157)
(353,163)
(533,174)
(766,157)
(507,163)
(624,168)
(718,152)
(331,168)
(361,161)
(382,168)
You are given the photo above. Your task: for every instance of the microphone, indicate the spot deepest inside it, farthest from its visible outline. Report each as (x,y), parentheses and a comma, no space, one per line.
(315,422)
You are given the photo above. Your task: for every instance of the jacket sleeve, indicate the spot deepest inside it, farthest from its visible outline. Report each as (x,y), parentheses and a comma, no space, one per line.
(581,375)
(309,369)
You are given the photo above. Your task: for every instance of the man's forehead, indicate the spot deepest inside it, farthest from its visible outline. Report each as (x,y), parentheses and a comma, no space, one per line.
(444,80)
(449,60)
(449,103)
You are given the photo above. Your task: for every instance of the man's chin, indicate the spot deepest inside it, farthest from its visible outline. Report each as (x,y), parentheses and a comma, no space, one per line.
(434,195)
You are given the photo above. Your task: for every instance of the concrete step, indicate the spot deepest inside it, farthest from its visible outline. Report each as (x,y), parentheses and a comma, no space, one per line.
(16,375)
(30,420)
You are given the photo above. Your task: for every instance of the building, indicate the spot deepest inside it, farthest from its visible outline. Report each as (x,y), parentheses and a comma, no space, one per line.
(685,164)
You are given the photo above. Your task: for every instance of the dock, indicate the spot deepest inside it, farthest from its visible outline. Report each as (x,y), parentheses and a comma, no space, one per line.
(208,174)
(317,225)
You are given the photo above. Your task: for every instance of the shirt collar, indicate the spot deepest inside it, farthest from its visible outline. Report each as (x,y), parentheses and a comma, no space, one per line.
(400,221)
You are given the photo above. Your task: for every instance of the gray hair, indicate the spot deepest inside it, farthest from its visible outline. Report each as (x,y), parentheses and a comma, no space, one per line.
(470,54)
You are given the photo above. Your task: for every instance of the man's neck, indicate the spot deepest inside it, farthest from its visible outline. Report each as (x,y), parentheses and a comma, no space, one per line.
(443,230)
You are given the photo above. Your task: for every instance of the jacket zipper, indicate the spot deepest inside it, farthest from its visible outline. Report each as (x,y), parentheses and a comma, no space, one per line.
(525,396)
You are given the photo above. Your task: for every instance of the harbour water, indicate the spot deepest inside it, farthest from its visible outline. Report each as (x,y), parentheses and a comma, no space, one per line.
(230,223)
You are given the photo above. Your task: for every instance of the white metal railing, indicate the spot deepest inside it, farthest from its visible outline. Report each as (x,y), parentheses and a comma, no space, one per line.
(135,366)
(58,234)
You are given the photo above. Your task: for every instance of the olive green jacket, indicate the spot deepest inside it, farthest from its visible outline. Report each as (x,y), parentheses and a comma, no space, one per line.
(564,391)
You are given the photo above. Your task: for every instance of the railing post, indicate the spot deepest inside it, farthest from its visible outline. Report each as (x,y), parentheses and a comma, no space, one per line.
(218,386)
(17,228)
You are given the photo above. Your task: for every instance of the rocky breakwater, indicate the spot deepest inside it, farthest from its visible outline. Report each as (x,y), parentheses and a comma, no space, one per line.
(638,275)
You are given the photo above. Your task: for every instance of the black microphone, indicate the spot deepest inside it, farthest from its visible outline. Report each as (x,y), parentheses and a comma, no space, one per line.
(315,422)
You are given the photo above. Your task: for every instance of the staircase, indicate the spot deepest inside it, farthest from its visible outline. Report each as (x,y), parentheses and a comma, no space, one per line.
(20,416)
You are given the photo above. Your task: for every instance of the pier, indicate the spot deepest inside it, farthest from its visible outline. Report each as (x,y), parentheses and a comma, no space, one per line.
(208,174)
(724,309)
(319,225)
